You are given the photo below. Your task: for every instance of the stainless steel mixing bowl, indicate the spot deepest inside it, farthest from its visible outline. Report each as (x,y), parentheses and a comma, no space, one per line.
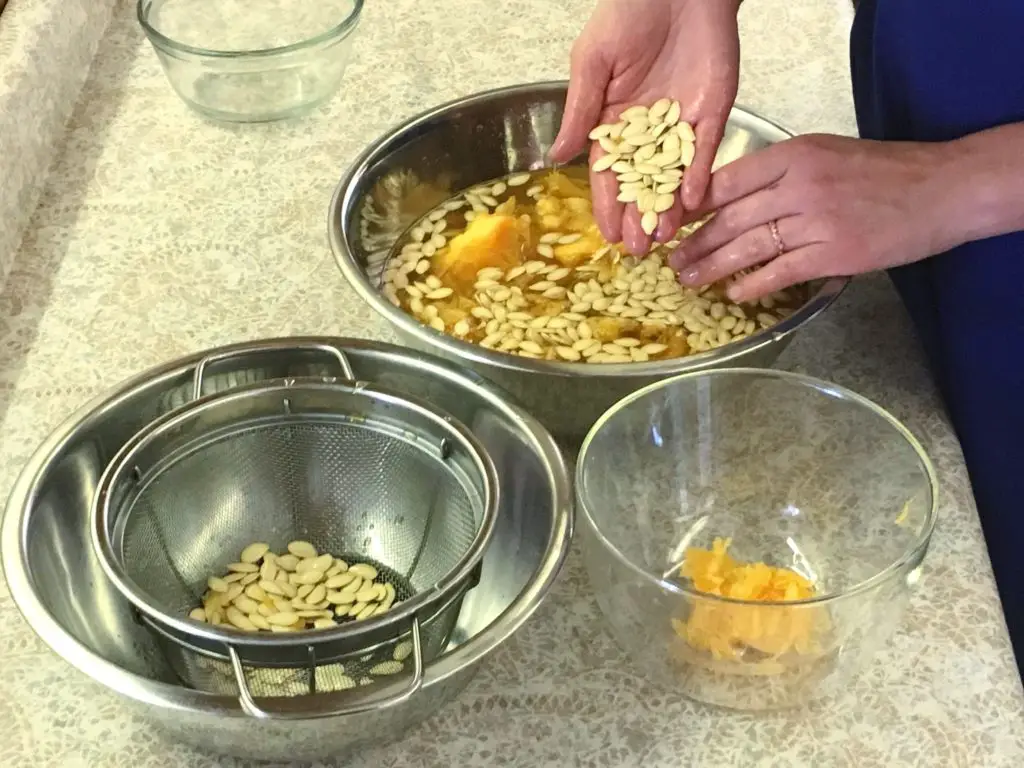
(435,155)
(60,588)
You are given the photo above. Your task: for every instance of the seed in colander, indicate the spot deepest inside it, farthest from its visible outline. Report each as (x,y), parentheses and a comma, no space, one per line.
(283,619)
(281,604)
(367,593)
(389,598)
(320,563)
(340,566)
(233,577)
(234,590)
(240,620)
(339,580)
(253,552)
(271,587)
(402,651)
(308,577)
(318,594)
(268,570)
(197,614)
(287,562)
(324,624)
(302,549)
(386,668)
(256,592)
(356,609)
(289,589)
(217,585)
(367,612)
(246,604)
(364,570)
(243,568)
(341,598)
(353,586)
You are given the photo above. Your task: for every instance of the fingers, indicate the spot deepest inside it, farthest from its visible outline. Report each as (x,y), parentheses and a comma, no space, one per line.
(731,222)
(753,247)
(742,177)
(695,181)
(669,223)
(604,189)
(793,267)
(588,79)
(635,240)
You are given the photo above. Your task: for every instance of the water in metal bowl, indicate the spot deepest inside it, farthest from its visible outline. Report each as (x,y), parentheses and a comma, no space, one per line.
(418,165)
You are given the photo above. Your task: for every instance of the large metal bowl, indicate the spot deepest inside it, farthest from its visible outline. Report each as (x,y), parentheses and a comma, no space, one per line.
(58,585)
(433,156)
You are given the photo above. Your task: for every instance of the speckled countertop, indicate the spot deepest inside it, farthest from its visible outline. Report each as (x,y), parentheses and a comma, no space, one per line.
(157,234)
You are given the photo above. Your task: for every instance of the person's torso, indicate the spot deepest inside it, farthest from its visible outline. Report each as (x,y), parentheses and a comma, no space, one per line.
(933,70)
(937,70)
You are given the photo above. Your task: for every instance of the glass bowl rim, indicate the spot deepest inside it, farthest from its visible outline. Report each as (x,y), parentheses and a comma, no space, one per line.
(339,31)
(912,553)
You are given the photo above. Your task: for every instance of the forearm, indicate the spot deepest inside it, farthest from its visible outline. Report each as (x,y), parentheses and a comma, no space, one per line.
(980,185)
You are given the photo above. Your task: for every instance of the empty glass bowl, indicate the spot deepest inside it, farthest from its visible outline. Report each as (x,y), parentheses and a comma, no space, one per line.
(252,60)
(779,470)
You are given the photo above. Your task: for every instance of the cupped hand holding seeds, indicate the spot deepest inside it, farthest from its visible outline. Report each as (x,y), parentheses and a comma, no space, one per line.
(637,52)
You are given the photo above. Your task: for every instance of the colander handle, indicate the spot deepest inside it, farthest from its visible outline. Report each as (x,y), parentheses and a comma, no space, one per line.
(331,351)
(329,704)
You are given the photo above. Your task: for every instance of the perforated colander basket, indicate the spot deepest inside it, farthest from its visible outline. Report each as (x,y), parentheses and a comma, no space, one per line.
(362,473)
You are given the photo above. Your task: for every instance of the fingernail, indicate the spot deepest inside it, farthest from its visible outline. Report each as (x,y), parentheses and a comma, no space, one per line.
(689,276)
(677,259)
(733,294)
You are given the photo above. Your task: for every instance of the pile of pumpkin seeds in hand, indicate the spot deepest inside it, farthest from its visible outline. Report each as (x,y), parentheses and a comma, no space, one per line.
(297,590)
(647,150)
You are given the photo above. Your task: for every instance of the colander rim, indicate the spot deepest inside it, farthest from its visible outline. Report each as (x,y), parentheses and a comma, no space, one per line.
(421,605)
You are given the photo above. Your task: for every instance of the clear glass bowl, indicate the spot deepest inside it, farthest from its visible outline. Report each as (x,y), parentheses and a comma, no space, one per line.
(798,473)
(252,60)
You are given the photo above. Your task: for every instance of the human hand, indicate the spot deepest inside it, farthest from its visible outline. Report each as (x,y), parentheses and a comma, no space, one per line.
(818,206)
(636,52)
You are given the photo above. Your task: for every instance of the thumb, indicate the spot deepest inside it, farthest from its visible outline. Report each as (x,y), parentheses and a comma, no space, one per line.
(588,79)
(709,134)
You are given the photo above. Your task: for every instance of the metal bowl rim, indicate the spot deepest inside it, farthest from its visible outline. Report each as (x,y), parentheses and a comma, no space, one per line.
(912,554)
(175,697)
(342,200)
(169,45)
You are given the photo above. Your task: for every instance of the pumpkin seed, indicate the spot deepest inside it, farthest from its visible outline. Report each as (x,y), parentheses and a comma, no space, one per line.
(302,549)
(386,668)
(253,552)
(364,570)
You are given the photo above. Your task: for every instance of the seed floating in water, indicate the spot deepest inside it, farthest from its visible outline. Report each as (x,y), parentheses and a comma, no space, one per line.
(531,275)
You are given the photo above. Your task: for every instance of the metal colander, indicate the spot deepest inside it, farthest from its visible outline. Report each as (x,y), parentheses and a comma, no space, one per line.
(360,472)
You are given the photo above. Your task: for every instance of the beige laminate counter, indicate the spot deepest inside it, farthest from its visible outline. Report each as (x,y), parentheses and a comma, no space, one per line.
(157,234)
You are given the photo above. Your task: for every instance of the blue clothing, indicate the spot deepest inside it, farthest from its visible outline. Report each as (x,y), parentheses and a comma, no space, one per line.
(935,71)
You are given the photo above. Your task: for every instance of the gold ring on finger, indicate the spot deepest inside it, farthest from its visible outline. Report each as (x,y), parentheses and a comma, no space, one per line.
(780,246)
